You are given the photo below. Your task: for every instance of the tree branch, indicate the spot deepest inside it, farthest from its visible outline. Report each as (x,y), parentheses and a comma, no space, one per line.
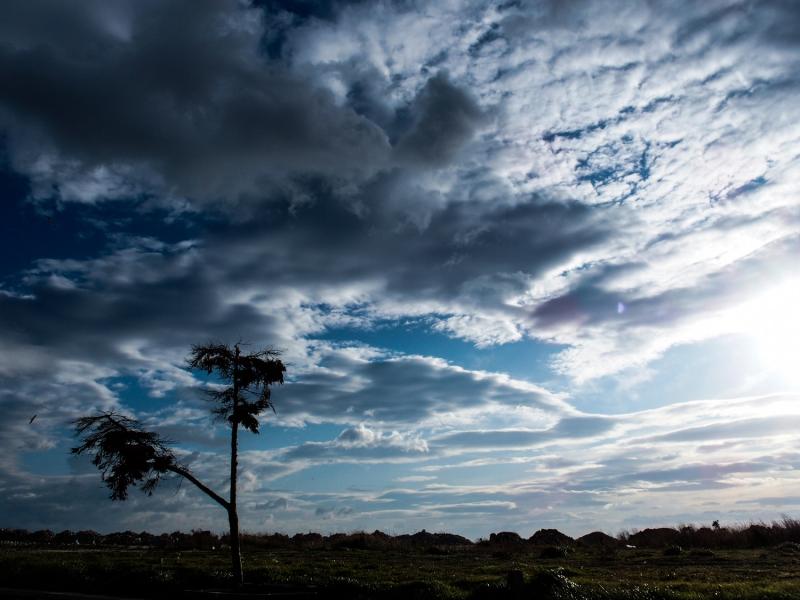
(203,487)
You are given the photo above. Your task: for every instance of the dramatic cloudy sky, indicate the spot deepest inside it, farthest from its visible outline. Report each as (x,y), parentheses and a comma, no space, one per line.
(530,263)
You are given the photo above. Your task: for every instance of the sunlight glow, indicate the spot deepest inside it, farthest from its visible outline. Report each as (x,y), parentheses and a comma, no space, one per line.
(772,320)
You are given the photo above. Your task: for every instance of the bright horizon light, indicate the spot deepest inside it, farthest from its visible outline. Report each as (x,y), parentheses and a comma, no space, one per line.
(772,322)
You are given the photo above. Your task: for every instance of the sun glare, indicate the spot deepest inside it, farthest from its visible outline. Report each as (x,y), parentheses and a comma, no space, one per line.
(772,320)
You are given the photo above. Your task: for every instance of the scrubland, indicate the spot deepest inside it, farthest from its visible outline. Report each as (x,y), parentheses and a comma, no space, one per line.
(756,561)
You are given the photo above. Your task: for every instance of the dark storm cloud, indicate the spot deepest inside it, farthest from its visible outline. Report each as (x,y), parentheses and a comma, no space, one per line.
(467,248)
(180,101)
(445,118)
(171,98)
(91,322)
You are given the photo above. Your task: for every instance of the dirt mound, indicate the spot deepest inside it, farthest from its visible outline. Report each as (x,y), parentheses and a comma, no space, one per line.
(659,537)
(424,538)
(550,537)
(359,541)
(598,539)
(506,538)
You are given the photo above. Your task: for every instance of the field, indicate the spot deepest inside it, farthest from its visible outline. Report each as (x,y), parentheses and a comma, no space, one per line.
(473,572)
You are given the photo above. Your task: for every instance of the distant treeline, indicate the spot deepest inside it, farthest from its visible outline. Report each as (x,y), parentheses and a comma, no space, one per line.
(751,535)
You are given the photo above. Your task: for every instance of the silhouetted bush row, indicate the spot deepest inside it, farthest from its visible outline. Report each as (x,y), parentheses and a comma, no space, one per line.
(206,540)
(201,540)
(752,535)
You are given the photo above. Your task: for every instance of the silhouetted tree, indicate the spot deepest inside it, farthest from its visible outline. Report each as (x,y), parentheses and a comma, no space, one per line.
(126,454)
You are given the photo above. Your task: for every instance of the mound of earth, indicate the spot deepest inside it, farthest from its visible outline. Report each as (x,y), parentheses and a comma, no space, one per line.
(598,539)
(658,537)
(424,538)
(550,537)
(506,538)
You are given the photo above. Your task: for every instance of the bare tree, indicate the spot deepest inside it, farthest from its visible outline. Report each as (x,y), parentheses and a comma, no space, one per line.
(126,454)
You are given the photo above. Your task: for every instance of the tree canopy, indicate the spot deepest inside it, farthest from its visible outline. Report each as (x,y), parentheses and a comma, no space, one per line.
(250,376)
(124,453)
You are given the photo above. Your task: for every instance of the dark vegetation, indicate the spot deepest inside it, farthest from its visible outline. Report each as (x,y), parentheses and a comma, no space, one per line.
(751,561)
(748,536)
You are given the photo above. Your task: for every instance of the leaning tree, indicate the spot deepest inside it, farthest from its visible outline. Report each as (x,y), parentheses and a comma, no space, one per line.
(126,454)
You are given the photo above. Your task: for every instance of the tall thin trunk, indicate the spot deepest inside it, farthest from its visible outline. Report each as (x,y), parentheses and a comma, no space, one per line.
(236,555)
(233,517)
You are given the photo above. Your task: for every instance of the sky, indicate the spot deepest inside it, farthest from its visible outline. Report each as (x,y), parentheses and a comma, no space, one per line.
(529,264)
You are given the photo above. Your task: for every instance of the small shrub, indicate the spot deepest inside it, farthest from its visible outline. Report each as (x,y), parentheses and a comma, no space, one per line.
(673,551)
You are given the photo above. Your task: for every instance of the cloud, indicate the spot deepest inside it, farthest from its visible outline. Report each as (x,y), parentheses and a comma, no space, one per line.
(54,396)
(415,478)
(445,118)
(493,172)
(531,486)
(272,504)
(738,430)
(566,429)
(161,112)
(333,513)
(361,444)
(499,187)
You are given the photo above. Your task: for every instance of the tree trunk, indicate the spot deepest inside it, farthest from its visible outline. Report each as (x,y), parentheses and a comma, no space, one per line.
(233,516)
(186,474)
(236,554)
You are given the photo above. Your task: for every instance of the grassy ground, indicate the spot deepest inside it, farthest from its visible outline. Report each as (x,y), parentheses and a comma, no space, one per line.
(470,574)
